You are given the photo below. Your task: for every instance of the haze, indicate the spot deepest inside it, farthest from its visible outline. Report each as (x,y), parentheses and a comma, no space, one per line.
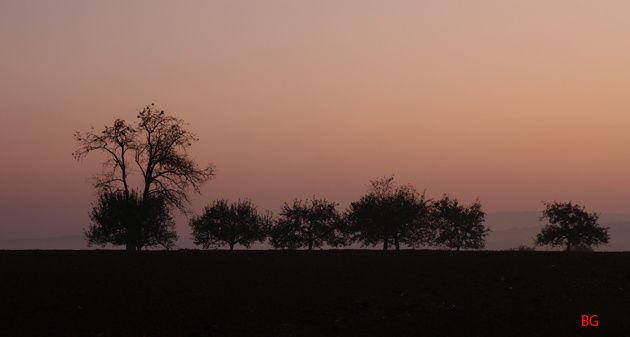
(513,102)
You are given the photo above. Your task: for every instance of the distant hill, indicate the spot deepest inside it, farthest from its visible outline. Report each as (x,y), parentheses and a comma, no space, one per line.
(511,229)
(59,242)
(508,230)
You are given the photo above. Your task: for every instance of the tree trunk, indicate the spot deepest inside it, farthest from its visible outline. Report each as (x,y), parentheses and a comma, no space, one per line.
(231,245)
(385,242)
(310,245)
(397,244)
(131,242)
(123,170)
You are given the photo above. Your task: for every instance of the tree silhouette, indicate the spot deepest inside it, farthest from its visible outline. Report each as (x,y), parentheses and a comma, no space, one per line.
(128,220)
(309,223)
(457,226)
(157,147)
(228,224)
(389,214)
(572,226)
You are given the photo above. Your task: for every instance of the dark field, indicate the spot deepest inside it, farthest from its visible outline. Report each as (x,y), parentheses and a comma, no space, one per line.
(321,293)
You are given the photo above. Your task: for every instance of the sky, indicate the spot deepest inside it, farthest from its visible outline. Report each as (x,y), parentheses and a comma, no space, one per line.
(511,102)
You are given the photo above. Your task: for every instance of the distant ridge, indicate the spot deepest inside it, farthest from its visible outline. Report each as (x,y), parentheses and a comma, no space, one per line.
(508,230)
(511,229)
(57,242)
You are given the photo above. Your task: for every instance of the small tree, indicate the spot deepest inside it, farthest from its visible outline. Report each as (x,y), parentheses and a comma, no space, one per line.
(228,224)
(570,225)
(457,226)
(310,223)
(123,220)
(389,214)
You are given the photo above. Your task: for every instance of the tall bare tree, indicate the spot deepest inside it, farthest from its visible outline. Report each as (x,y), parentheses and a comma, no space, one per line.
(157,147)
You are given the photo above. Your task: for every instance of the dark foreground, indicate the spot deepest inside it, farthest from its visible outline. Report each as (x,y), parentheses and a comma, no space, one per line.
(323,293)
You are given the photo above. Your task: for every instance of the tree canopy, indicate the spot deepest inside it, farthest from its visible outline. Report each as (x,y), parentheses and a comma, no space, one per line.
(457,226)
(389,215)
(229,224)
(128,220)
(309,223)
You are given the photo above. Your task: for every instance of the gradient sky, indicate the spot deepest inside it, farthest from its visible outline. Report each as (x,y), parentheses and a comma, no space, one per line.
(513,102)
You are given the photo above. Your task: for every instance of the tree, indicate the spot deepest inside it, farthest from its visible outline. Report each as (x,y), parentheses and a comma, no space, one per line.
(157,144)
(572,226)
(120,220)
(457,226)
(230,224)
(309,223)
(389,214)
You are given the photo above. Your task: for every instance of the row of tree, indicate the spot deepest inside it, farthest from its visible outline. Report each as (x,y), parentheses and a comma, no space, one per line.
(155,149)
(387,215)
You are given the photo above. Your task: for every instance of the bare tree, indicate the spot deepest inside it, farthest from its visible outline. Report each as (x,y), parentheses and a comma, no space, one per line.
(160,154)
(115,141)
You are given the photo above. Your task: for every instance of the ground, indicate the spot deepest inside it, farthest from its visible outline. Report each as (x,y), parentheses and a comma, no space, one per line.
(319,293)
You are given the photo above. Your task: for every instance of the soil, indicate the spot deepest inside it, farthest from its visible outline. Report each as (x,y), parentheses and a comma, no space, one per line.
(320,293)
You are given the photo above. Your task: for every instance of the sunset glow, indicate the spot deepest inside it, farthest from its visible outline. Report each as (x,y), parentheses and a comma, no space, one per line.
(510,102)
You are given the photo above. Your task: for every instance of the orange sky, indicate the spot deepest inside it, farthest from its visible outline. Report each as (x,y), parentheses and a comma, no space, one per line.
(513,102)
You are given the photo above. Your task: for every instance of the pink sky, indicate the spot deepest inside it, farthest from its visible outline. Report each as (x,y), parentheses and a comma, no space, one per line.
(513,102)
